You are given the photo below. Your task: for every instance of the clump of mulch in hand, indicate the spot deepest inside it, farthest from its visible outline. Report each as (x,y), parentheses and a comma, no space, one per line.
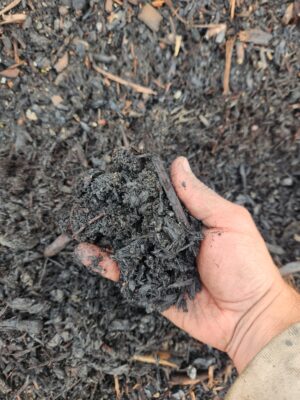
(132,209)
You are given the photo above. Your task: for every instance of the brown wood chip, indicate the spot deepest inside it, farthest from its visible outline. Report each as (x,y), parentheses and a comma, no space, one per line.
(13,19)
(151,17)
(10,73)
(62,63)
(255,36)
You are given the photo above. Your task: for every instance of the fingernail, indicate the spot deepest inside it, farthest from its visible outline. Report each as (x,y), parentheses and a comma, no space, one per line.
(185,165)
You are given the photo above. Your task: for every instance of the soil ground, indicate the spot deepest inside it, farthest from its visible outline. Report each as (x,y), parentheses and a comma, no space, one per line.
(65,333)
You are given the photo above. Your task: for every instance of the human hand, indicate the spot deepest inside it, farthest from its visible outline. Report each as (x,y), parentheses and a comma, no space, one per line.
(244,302)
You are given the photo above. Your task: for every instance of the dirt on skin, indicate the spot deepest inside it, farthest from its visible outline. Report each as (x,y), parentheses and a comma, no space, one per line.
(127,209)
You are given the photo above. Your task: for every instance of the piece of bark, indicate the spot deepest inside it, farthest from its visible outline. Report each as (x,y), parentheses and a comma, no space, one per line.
(256,36)
(151,17)
(169,190)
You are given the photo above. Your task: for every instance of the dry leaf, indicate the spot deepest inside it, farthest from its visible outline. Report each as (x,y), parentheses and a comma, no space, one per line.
(62,63)
(151,17)
(255,36)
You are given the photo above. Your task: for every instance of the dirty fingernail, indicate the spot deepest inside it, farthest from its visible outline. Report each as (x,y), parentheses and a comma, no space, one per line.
(185,165)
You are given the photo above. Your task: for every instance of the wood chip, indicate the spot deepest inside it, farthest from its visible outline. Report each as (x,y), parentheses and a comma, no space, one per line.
(158,3)
(240,52)
(232,9)
(183,380)
(215,30)
(226,80)
(57,245)
(10,6)
(13,19)
(178,40)
(56,100)
(169,190)
(62,63)
(255,36)
(108,6)
(10,73)
(121,81)
(151,17)
(290,268)
(149,359)
(117,387)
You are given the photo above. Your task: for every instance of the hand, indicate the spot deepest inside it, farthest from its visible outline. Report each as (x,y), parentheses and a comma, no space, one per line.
(244,302)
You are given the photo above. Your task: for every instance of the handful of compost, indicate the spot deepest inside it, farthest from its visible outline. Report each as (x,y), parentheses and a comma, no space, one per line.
(131,209)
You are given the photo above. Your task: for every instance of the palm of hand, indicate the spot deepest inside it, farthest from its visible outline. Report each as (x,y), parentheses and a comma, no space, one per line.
(230,281)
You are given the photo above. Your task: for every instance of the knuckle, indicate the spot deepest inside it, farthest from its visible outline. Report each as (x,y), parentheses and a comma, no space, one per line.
(242,212)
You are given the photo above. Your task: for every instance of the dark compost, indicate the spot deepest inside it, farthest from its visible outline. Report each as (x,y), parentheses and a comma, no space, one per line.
(154,244)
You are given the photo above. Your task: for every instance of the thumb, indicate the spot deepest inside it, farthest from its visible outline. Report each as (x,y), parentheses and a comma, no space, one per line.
(201,201)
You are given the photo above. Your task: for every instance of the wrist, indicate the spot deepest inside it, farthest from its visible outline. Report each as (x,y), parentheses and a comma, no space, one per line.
(271,315)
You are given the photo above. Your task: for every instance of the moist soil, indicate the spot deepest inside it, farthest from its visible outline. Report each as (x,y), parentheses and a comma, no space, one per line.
(64,332)
(127,208)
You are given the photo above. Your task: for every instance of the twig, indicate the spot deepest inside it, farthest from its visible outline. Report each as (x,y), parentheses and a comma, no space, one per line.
(183,380)
(57,245)
(13,19)
(149,359)
(229,48)
(232,9)
(117,387)
(91,221)
(121,81)
(10,6)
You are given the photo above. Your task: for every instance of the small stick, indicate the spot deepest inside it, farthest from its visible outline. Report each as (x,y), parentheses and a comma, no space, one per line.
(229,48)
(121,81)
(91,221)
(169,190)
(57,245)
(10,6)
(13,19)
(117,387)
(232,9)
(149,359)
